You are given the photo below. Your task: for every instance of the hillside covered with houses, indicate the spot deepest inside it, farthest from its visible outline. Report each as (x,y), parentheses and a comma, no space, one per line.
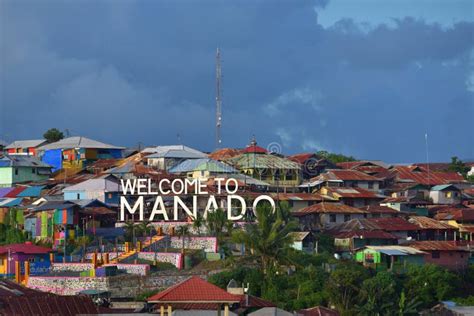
(338,220)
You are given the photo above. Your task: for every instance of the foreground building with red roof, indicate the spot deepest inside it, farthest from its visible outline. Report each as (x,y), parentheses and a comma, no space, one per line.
(196,296)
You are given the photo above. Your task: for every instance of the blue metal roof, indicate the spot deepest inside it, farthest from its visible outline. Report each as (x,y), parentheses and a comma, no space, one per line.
(34,191)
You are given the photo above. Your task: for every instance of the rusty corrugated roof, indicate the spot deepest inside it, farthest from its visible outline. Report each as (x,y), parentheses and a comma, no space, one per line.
(324,207)
(436,245)
(429,223)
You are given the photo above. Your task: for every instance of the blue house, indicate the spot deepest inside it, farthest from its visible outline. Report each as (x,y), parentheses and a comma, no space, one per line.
(77,152)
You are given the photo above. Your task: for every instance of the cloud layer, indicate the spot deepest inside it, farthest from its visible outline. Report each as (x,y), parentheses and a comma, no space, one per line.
(124,72)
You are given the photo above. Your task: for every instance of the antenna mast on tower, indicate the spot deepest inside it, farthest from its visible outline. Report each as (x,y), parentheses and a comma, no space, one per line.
(218,99)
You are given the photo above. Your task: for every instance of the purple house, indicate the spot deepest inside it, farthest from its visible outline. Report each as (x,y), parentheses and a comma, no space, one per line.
(38,257)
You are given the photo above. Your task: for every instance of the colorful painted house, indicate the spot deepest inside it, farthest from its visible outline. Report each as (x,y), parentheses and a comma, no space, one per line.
(393,258)
(9,254)
(102,189)
(77,152)
(63,220)
(16,169)
(25,147)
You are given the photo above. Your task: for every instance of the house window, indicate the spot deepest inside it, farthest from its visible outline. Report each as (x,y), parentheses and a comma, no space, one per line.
(290,203)
(33,170)
(16,171)
(110,195)
(332,218)
(78,196)
(448,194)
(371,185)
(435,254)
(347,217)
(354,184)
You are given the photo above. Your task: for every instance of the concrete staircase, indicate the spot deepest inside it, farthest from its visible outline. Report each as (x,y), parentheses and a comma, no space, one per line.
(132,252)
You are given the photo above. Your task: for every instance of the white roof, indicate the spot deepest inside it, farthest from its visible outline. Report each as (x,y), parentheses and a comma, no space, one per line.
(78,142)
(95,185)
(25,143)
(396,250)
(173,151)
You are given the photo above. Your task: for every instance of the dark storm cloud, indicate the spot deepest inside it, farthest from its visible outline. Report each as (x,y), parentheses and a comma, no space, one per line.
(124,72)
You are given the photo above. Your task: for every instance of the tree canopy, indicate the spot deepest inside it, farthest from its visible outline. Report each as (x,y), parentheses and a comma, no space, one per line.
(53,135)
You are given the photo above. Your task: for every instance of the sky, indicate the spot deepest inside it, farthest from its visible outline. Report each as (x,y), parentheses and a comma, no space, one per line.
(364,78)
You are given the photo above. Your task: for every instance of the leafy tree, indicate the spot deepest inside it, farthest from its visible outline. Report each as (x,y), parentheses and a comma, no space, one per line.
(268,239)
(334,158)
(343,286)
(457,165)
(377,293)
(53,135)
(407,307)
(430,284)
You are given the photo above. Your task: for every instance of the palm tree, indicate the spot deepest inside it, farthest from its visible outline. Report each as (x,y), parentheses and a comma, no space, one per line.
(182,231)
(198,223)
(216,222)
(145,228)
(268,239)
(129,231)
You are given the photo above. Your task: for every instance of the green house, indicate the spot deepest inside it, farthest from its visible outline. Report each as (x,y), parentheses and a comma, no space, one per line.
(16,169)
(394,258)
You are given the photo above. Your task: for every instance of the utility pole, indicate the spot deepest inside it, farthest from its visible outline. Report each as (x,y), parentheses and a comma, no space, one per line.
(218,99)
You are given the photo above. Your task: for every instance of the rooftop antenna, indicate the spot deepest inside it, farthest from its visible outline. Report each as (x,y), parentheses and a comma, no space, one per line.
(218,99)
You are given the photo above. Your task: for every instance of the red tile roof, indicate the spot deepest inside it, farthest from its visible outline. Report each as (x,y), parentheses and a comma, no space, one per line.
(194,290)
(27,248)
(324,207)
(254,149)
